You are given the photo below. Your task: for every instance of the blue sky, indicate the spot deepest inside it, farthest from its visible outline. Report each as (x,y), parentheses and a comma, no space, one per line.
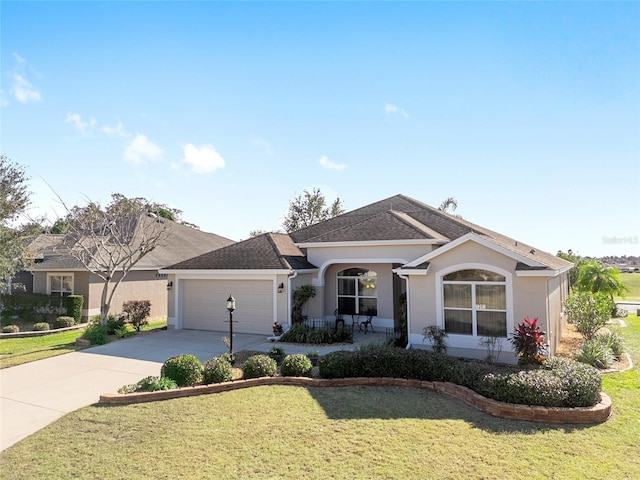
(527,113)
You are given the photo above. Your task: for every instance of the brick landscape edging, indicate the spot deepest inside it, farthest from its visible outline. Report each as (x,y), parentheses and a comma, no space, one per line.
(577,415)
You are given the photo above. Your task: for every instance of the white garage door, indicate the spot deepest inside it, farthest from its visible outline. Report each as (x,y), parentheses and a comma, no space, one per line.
(204,305)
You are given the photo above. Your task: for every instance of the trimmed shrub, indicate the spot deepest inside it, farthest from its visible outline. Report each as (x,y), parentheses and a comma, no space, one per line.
(32,307)
(74,304)
(149,384)
(10,329)
(558,382)
(216,370)
(41,327)
(96,333)
(300,333)
(123,332)
(136,312)
(185,370)
(259,366)
(114,323)
(296,365)
(595,353)
(64,322)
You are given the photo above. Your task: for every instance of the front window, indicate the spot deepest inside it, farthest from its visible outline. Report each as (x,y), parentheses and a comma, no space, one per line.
(357,292)
(61,285)
(475,303)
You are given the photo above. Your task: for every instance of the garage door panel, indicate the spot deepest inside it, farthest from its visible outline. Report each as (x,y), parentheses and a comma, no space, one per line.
(204,305)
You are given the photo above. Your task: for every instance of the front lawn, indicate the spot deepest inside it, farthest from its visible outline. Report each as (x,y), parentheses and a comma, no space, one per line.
(353,432)
(632,282)
(16,351)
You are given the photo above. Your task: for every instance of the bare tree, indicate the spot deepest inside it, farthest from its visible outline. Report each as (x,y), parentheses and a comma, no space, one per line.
(110,241)
(308,209)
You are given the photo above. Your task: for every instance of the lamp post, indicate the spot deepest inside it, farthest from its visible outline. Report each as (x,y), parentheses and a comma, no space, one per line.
(231,306)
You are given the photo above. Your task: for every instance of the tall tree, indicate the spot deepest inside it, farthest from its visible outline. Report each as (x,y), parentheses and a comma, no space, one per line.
(109,241)
(14,202)
(577,261)
(310,208)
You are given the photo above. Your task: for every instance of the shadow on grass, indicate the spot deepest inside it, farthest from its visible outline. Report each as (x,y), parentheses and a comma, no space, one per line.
(392,403)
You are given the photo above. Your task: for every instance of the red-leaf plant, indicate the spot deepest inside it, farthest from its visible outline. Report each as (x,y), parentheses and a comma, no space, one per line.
(529,342)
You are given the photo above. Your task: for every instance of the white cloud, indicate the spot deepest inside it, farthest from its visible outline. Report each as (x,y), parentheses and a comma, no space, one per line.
(19,59)
(391,109)
(80,125)
(24,91)
(141,149)
(116,131)
(329,165)
(202,159)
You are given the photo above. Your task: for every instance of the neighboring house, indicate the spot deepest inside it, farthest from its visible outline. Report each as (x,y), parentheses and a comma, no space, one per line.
(55,272)
(469,280)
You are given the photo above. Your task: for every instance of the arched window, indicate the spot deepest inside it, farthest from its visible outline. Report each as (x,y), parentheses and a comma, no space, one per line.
(357,291)
(475,303)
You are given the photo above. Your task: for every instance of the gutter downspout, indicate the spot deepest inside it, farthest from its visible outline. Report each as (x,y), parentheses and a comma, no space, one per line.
(406,279)
(293,274)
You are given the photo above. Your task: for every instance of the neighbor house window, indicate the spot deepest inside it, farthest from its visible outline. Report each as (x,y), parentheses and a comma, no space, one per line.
(475,303)
(61,285)
(357,291)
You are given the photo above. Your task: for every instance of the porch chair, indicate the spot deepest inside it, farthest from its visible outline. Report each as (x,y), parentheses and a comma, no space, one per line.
(367,323)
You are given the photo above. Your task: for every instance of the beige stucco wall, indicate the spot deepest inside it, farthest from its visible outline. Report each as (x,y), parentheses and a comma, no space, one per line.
(396,253)
(529,294)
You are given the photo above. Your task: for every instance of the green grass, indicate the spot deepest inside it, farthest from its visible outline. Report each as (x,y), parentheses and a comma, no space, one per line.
(16,351)
(315,433)
(632,281)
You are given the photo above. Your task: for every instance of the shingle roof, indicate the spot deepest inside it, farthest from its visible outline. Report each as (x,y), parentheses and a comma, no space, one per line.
(392,219)
(181,243)
(270,251)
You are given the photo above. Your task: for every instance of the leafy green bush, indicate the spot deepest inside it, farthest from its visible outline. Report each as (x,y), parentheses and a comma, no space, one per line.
(73,304)
(595,353)
(300,333)
(10,329)
(64,322)
(114,323)
(556,383)
(296,365)
(41,327)
(217,370)
(259,366)
(137,312)
(613,341)
(185,370)
(277,353)
(32,307)
(123,332)
(149,384)
(589,312)
(96,333)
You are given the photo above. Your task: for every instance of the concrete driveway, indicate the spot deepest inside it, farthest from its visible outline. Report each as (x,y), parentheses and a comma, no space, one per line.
(36,394)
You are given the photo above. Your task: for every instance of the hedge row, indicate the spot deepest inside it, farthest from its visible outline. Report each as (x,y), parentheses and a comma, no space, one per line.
(556,383)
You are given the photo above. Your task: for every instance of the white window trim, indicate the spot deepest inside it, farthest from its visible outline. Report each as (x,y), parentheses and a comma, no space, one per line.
(60,274)
(471,341)
(357,295)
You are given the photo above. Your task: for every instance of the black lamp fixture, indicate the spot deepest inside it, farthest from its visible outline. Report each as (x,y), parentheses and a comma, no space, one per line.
(169,285)
(280,287)
(231,306)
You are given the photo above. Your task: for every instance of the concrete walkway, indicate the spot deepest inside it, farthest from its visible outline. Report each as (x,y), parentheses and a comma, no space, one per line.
(36,394)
